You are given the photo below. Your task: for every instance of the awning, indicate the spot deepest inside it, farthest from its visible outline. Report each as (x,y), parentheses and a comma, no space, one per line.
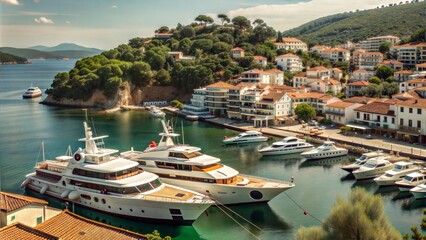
(358,126)
(408,133)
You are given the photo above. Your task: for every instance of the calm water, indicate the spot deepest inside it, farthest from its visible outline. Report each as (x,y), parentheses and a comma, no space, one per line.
(25,123)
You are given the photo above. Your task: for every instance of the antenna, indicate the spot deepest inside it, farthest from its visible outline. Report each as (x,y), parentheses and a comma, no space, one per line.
(183,136)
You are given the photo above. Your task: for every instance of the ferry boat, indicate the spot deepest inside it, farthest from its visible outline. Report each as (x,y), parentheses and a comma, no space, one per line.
(399,171)
(32,92)
(96,179)
(287,145)
(361,161)
(373,168)
(245,137)
(186,166)
(411,180)
(327,150)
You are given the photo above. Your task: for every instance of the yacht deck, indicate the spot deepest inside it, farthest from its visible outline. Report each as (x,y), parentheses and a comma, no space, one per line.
(171,193)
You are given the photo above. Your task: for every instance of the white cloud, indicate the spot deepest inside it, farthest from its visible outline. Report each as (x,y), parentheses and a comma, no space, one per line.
(114,6)
(287,16)
(43,20)
(11,2)
(67,22)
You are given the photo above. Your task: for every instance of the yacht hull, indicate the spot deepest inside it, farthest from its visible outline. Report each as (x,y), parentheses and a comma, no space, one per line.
(322,155)
(418,194)
(242,141)
(273,152)
(177,213)
(359,175)
(350,168)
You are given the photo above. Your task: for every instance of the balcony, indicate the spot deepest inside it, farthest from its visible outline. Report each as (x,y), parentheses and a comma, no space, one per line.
(219,101)
(334,113)
(407,129)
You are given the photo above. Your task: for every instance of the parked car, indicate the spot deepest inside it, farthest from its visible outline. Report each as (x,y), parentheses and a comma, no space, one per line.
(321,127)
(312,123)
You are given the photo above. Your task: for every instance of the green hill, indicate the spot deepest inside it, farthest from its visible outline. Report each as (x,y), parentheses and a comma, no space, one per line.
(400,20)
(9,58)
(49,53)
(67,47)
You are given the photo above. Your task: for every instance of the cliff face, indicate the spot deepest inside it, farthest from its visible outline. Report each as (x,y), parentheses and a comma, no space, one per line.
(126,95)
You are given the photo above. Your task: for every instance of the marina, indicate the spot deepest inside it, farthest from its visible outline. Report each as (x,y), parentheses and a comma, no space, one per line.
(318,182)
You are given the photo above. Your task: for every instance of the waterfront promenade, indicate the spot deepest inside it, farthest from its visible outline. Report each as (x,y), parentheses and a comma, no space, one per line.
(375,143)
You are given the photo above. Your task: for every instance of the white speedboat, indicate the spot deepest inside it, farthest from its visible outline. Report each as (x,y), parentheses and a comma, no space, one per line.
(411,180)
(287,145)
(361,161)
(419,191)
(155,112)
(399,171)
(373,168)
(32,92)
(96,179)
(246,137)
(186,166)
(327,150)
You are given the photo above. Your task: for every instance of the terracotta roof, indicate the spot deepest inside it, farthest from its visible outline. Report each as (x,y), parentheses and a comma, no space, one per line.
(381,108)
(413,44)
(404,72)
(259,58)
(421,64)
(238,49)
(326,97)
(363,71)
(337,69)
(418,103)
(287,55)
(336,50)
(21,231)
(363,100)
(301,74)
(418,80)
(274,70)
(291,39)
(254,70)
(388,36)
(319,68)
(358,83)
(340,104)
(274,96)
(67,225)
(10,202)
(393,62)
(220,85)
(283,87)
(296,95)
(406,95)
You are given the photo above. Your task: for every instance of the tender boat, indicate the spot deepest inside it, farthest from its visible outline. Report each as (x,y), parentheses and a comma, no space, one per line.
(287,145)
(156,112)
(399,171)
(327,150)
(246,137)
(373,168)
(32,92)
(419,191)
(186,166)
(411,180)
(361,161)
(96,179)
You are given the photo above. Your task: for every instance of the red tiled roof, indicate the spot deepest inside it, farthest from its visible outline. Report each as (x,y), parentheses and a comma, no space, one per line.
(359,83)
(10,202)
(259,58)
(337,69)
(296,95)
(287,55)
(318,68)
(418,80)
(340,104)
(381,108)
(363,100)
(421,64)
(393,62)
(418,103)
(68,225)
(220,85)
(274,96)
(291,39)
(404,72)
(301,74)
(21,231)
(336,50)
(363,71)
(237,49)
(274,70)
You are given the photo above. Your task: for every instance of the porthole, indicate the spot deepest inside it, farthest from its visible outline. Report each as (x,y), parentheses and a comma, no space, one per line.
(103,201)
(96,199)
(256,195)
(142,211)
(131,210)
(119,208)
(109,206)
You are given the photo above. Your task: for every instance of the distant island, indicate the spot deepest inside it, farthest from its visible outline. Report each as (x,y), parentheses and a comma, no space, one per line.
(61,51)
(6,58)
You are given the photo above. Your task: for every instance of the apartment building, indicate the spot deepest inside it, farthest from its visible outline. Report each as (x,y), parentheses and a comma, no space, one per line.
(361,75)
(402,75)
(412,84)
(394,64)
(289,62)
(411,54)
(316,100)
(372,44)
(341,112)
(380,116)
(355,88)
(291,44)
(366,60)
(411,121)
(261,60)
(237,52)
(336,55)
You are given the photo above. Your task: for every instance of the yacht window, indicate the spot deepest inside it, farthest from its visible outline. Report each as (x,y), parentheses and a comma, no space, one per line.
(398,167)
(363,157)
(156,183)
(408,178)
(415,179)
(370,165)
(388,175)
(381,165)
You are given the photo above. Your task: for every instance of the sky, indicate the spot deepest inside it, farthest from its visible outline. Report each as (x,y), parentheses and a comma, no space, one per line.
(106,24)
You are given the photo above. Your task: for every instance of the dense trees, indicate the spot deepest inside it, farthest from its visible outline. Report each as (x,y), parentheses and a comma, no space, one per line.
(362,216)
(305,112)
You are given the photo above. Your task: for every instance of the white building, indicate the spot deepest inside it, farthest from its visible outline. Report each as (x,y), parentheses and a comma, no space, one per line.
(237,52)
(411,54)
(289,62)
(316,100)
(403,75)
(380,116)
(366,60)
(412,84)
(411,121)
(291,44)
(372,44)
(354,88)
(336,55)
(361,75)
(340,112)
(319,79)
(261,60)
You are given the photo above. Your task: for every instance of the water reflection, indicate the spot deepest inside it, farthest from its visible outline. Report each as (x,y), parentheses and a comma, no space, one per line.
(402,195)
(412,203)
(348,177)
(368,184)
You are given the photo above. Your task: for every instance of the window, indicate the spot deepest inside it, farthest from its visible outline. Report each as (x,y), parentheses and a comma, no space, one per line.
(393,120)
(410,123)
(419,111)
(385,119)
(401,109)
(410,110)
(419,124)
(401,122)
(39,220)
(357,114)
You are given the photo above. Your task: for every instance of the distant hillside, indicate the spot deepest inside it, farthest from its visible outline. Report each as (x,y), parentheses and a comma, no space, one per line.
(66,47)
(401,20)
(6,58)
(59,51)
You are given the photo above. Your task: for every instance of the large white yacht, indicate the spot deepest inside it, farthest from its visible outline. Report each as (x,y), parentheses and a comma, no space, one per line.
(287,145)
(361,161)
(246,137)
(327,150)
(186,166)
(95,179)
(399,171)
(411,180)
(373,168)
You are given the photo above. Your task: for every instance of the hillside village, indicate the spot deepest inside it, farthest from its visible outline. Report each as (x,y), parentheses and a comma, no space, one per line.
(260,96)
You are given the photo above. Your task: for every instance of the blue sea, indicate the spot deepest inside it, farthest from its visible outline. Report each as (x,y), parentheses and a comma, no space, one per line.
(24,124)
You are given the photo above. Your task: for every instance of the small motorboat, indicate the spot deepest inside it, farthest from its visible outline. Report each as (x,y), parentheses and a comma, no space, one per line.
(361,161)
(246,137)
(32,92)
(411,180)
(288,145)
(399,171)
(373,168)
(156,112)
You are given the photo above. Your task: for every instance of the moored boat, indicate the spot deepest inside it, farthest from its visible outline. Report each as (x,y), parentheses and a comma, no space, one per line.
(361,161)
(188,167)
(399,171)
(245,137)
(373,168)
(411,180)
(156,112)
(93,177)
(288,145)
(326,150)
